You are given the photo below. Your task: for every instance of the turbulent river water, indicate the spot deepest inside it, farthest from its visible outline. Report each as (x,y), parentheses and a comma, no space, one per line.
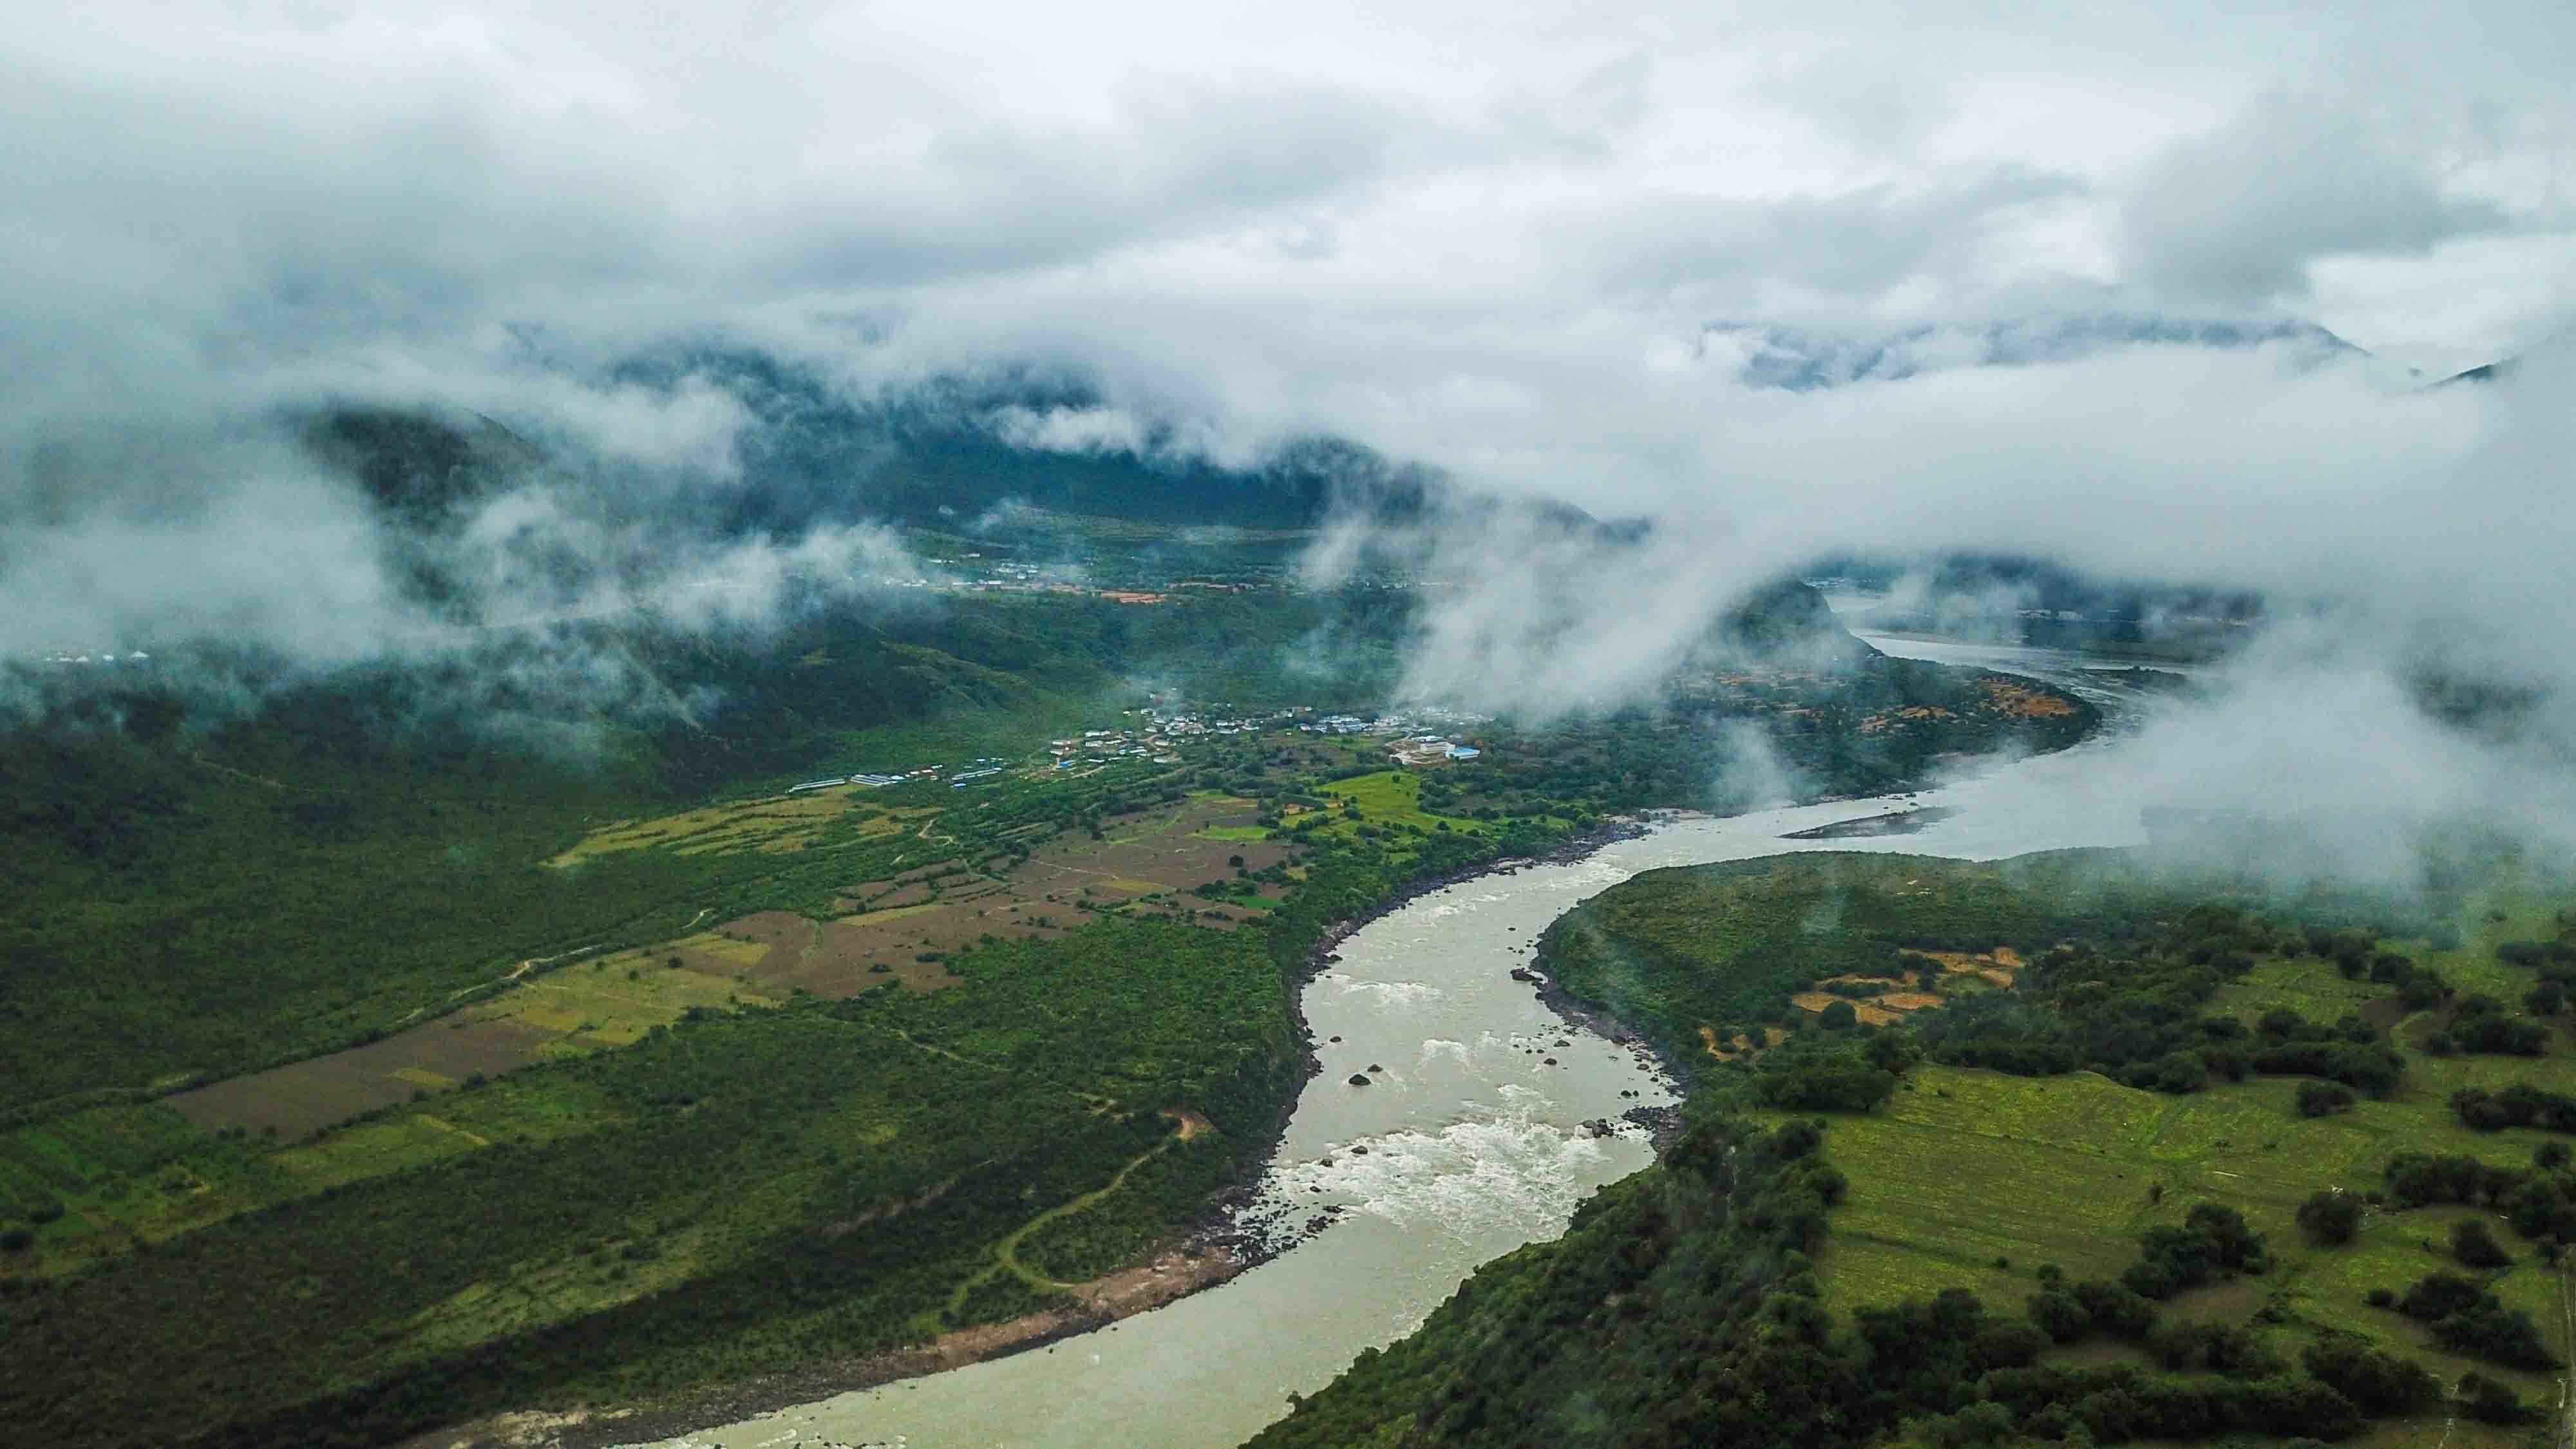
(1473,1131)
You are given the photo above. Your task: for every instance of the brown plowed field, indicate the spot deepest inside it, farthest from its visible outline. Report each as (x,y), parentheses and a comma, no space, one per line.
(307,1096)
(767,956)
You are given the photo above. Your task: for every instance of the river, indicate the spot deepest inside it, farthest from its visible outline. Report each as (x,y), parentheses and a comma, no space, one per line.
(1468,1143)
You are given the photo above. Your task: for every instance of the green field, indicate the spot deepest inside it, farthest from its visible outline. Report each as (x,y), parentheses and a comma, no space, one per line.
(1963,1168)
(1973,1179)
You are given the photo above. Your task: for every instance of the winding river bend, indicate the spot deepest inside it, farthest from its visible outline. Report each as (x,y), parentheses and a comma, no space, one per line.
(1471,1141)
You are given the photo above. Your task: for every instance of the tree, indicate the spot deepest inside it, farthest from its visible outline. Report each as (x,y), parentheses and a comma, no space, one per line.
(2495,1403)
(2061,1315)
(2319,1099)
(2330,1219)
(2475,1247)
(1838,1016)
(2380,1383)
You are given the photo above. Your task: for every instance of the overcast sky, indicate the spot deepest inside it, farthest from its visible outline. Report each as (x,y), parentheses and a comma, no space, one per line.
(1532,245)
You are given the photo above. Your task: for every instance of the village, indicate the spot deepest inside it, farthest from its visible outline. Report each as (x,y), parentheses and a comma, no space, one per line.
(1159,734)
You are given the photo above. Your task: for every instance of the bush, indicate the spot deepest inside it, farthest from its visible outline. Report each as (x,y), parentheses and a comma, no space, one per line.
(2484,1399)
(2439,1295)
(2467,1319)
(2009,1345)
(2475,1247)
(2379,1383)
(2330,1219)
(2061,1315)
(2319,1099)
(2115,1309)
(1829,1080)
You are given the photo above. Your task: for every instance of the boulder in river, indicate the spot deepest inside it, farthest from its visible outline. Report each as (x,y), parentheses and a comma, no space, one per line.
(1374,1067)
(1520,973)
(1359,1079)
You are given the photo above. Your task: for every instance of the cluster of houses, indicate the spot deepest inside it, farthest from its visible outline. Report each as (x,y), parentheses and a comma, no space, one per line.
(1099,747)
(975,770)
(1161,732)
(1415,744)
(1431,749)
(104,656)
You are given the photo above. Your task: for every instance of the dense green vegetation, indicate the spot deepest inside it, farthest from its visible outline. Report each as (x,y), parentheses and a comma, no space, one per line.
(198,896)
(737,1194)
(2119,1198)
(757,1182)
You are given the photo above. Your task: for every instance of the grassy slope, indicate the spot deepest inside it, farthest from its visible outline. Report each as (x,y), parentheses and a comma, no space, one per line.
(1962,1168)
(1974,1179)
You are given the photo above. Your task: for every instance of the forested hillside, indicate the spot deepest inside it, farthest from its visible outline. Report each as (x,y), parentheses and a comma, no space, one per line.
(2050,1150)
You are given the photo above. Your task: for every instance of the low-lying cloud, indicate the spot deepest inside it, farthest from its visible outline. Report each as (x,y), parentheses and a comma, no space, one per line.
(1900,280)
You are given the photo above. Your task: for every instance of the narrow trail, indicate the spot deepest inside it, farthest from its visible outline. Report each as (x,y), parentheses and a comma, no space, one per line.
(524,967)
(278,785)
(513,974)
(937,1051)
(1006,1254)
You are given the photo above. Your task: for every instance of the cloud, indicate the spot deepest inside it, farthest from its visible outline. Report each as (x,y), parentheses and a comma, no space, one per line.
(2241,214)
(1541,257)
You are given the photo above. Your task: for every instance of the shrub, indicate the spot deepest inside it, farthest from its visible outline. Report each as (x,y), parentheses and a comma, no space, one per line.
(2484,1399)
(2474,1246)
(2379,1383)
(2117,1310)
(2330,1219)
(2061,1315)
(2319,1099)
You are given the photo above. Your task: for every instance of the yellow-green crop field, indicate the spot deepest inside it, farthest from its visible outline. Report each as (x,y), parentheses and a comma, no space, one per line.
(614,1000)
(773,824)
